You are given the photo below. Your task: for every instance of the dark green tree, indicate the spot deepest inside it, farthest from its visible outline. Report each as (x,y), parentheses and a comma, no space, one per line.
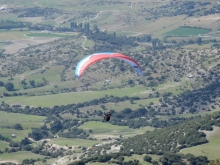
(2,83)
(9,86)
(56,126)
(147,158)
(18,127)
(32,83)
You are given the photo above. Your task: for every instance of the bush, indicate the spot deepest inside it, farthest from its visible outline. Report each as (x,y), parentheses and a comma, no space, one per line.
(9,86)
(147,158)
(18,127)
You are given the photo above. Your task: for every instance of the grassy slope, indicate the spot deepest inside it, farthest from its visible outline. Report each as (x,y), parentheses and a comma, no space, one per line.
(211,149)
(70,98)
(46,35)
(26,121)
(51,100)
(100,128)
(19,156)
(3,145)
(20,134)
(187,31)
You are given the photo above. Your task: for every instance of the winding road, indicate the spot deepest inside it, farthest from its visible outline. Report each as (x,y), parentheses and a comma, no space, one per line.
(84,43)
(95,16)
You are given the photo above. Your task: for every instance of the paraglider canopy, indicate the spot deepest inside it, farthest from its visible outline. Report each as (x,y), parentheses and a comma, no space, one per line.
(93,58)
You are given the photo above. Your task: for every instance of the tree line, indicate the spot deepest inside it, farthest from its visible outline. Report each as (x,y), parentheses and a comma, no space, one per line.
(9,24)
(177,136)
(166,159)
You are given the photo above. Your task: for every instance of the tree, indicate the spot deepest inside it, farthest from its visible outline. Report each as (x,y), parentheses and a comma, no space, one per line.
(56,126)
(102,106)
(147,158)
(9,86)
(18,127)
(190,41)
(38,134)
(28,148)
(199,40)
(155,162)
(2,83)
(25,142)
(32,83)
(13,144)
(95,27)
(131,101)
(6,150)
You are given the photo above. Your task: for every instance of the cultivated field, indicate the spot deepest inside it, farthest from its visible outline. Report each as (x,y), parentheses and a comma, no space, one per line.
(46,35)
(187,31)
(10,35)
(127,16)
(23,39)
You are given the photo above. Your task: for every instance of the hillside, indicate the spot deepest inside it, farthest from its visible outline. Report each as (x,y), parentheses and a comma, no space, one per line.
(36,69)
(166,142)
(179,136)
(51,116)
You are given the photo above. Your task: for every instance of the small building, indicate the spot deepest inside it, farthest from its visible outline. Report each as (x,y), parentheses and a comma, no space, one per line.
(4,7)
(13,136)
(190,76)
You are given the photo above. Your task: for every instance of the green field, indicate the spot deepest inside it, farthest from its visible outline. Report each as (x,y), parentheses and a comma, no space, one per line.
(46,35)
(26,121)
(70,98)
(3,145)
(74,142)
(188,115)
(20,134)
(101,128)
(89,43)
(19,156)
(210,149)
(187,31)
(51,74)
